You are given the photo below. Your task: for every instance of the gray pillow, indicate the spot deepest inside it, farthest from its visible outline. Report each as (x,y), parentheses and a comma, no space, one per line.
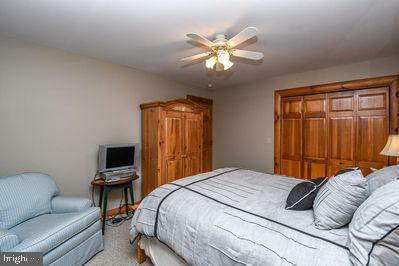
(338,199)
(382,176)
(374,229)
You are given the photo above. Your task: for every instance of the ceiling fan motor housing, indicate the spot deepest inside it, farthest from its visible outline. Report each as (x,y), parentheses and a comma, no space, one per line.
(220,41)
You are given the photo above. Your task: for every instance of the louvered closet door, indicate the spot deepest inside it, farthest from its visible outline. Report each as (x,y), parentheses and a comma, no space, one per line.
(314,136)
(172,136)
(192,158)
(341,130)
(291,136)
(373,128)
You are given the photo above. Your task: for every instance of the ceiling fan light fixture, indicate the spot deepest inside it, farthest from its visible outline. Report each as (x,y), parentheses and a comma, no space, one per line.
(210,63)
(227,64)
(224,58)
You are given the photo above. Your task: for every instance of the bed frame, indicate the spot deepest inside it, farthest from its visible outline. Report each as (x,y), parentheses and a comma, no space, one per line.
(141,257)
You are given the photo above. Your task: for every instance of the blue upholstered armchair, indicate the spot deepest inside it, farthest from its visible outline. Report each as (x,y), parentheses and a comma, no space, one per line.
(33,218)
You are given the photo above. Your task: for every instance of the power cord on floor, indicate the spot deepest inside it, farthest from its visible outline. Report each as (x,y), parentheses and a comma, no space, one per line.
(111,220)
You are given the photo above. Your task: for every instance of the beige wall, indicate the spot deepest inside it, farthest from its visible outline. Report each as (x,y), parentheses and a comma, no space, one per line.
(57,107)
(243,129)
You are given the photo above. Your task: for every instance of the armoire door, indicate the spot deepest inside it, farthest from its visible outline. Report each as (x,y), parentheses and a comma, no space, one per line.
(172,135)
(192,141)
(291,136)
(314,136)
(207,140)
(341,130)
(372,127)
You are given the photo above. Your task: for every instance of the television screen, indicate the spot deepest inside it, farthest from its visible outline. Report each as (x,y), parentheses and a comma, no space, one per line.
(120,156)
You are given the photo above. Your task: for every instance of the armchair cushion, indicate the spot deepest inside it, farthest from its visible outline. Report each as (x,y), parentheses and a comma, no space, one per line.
(25,196)
(60,204)
(8,240)
(46,232)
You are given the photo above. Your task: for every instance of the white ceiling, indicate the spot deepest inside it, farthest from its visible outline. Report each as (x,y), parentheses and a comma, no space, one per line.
(294,35)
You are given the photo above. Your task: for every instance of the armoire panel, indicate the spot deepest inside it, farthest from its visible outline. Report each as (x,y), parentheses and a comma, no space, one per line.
(173,129)
(206,164)
(174,169)
(193,132)
(192,165)
(207,119)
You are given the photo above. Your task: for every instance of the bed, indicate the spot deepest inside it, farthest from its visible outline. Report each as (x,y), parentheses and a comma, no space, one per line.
(234,216)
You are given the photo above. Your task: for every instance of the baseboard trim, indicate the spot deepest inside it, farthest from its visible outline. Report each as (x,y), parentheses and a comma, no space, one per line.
(113,212)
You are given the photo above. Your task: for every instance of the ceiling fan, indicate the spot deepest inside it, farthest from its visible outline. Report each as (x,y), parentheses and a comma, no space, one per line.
(222,49)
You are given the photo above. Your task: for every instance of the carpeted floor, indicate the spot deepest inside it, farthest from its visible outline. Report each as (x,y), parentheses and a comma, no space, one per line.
(117,249)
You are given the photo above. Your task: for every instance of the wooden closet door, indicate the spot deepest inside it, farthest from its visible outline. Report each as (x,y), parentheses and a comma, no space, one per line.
(314,136)
(172,135)
(373,128)
(192,158)
(341,130)
(291,136)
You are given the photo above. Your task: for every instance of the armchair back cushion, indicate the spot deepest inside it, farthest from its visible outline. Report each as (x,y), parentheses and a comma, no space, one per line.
(25,196)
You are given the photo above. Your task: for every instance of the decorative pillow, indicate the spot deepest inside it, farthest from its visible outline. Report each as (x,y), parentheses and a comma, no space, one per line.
(374,229)
(302,196)
(346,170)
(25,196)
(382,176)
(338,199)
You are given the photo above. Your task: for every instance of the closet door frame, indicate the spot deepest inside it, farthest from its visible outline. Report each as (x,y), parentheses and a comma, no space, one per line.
(387,81)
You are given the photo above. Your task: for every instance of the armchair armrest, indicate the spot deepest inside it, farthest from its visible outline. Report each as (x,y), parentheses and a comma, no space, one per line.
(60,204)
(8,240)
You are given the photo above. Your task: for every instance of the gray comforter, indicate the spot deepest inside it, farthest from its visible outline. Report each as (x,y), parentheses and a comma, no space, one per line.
(237,217)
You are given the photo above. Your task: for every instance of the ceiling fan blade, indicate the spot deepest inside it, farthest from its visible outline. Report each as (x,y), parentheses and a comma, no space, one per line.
(196,57)
(247,54)
(201,39)
(241,37)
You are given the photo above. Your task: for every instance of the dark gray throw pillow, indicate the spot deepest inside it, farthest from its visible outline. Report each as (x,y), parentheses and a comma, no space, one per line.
(302,196)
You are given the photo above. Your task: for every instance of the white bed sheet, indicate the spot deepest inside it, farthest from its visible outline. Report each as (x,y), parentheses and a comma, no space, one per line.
(159,254)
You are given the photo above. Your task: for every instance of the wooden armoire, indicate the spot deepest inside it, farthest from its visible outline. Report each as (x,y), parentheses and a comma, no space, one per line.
(324,128)
(172,136)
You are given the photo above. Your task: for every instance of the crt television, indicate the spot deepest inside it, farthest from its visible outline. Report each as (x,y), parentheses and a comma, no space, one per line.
(112,157)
